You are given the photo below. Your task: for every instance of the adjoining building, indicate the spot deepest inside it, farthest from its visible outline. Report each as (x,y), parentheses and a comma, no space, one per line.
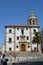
(18,38)
(42,39)
(2,50)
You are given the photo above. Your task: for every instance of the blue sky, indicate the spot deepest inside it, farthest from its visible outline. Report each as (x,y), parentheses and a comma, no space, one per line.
(17,12)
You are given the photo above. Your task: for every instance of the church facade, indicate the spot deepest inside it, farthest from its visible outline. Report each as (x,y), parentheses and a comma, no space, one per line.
(18,38)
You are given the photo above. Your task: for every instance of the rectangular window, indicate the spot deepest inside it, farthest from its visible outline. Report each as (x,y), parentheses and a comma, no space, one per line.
(33,22)
(27,38)
(17,38)
(9,49)
(17,28)
(30,22)
(22,31)
(10,31)
(10,40)
(26,28)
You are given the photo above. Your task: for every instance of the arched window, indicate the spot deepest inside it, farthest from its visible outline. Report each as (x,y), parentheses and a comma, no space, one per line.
(10,40)
(33,22)
(30,22)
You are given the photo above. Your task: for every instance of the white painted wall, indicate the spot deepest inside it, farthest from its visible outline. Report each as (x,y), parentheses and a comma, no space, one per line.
(28,49)
(7,30)
(18,33)
(17,49)
(32,32)
(8,45)
(8,36)
(34,45)
(17,43)
(27,33)
(39,47)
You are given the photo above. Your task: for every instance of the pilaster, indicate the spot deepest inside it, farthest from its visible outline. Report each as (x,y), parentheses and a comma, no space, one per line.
(14,39)
(30,40)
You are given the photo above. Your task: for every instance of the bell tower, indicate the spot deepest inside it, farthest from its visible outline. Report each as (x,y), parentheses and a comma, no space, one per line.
(32,19)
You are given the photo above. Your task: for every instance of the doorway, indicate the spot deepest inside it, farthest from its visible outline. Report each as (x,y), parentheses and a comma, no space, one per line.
(23,47)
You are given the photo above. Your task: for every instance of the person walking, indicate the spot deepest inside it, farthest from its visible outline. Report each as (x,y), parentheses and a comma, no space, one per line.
(4,60)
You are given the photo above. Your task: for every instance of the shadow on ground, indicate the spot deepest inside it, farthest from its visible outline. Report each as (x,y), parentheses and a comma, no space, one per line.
(29,63)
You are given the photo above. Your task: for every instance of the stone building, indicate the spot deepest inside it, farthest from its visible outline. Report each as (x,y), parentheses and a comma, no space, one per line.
(18,38)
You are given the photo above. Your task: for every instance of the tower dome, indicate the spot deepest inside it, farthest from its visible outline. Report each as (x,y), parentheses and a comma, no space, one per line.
(32,19)
(32,15)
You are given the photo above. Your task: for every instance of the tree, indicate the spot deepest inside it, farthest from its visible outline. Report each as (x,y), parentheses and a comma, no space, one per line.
(37,38)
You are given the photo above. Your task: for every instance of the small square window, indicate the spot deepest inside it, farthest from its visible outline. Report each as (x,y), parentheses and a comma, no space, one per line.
(16,46)
(28,46)
(17,28)
(26,28)
(34,30)
(17,38)
(27,38)
(10,31)
(9,49)
(28,43)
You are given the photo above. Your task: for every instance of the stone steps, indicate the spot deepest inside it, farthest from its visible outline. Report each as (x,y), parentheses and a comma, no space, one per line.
(23,54)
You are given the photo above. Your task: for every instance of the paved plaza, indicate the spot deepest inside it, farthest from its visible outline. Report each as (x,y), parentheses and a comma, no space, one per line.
(24,58)
(28,63)
(31,63)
